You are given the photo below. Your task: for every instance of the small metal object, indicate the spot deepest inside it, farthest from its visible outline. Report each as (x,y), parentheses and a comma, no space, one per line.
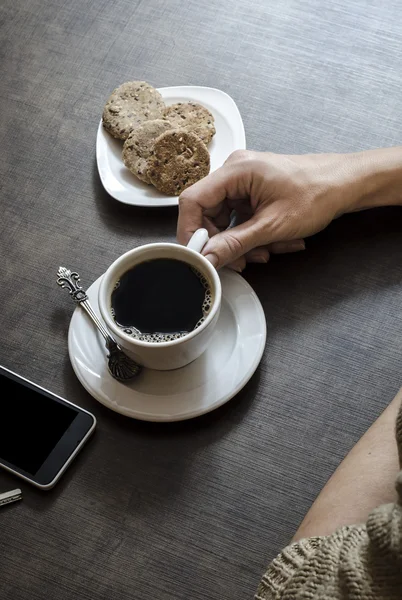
(11,496)
(121,366)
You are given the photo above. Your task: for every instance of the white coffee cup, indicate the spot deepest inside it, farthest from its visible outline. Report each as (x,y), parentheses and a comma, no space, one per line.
(179,352)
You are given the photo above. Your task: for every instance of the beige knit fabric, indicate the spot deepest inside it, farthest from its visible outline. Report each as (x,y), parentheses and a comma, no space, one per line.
(362,562)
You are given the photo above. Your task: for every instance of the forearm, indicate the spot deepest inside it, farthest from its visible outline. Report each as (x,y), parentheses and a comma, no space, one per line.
(374,178)
(364,480)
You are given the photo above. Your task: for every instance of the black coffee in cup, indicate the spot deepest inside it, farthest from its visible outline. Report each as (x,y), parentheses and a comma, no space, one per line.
(161,300)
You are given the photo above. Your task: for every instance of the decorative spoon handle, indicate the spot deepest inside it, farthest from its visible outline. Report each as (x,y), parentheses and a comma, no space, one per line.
(70,281)
(121,366)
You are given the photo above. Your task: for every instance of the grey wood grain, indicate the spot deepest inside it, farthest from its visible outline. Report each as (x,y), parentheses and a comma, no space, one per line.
(193,510)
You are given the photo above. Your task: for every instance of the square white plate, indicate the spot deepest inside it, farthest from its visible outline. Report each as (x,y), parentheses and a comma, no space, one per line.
(125,187)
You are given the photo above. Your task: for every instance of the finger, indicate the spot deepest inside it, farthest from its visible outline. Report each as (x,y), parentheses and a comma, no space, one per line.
(262,253)
(218,212)
(221,217)
(191,216)
(230,181)
(226,247)
(258,255)
(238,265)
(210,226)
(287,247)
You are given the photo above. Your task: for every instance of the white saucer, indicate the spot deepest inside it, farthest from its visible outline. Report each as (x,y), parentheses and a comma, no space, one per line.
(214,378)
(125,187)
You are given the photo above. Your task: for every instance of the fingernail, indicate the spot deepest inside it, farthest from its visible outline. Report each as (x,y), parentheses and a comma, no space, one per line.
(235,268)
(296,246)
(259,259)
(213,259)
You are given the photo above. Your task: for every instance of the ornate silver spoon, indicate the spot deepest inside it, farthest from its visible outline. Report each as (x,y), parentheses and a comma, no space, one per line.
(121,366)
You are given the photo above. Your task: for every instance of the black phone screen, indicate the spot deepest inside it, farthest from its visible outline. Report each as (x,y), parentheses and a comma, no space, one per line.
(31,424)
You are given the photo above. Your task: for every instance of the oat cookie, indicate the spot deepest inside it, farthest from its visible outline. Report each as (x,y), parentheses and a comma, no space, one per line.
(140,144)
(180,159)
(130,105)
(193,117)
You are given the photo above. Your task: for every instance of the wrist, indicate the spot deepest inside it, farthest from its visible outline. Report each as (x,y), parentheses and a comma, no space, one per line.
(372,178)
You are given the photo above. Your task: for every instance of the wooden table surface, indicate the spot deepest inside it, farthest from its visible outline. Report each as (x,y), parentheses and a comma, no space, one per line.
(196,509)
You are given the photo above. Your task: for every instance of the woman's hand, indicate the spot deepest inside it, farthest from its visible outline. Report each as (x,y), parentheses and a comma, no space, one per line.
(279,200)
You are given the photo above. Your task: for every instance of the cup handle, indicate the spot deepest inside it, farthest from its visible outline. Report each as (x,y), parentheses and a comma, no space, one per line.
(198,240)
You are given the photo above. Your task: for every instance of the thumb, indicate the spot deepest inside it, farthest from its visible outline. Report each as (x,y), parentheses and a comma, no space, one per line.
(224,248)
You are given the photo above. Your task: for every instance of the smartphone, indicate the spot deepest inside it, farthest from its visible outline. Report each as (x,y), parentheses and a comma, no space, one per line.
(40,433)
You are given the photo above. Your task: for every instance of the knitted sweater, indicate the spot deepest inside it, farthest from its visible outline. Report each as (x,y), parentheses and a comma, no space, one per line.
(362,562)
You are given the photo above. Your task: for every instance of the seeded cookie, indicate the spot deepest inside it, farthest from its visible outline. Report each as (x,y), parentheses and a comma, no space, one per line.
(139,145)
(130,105)
(179,159)
(192,117)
